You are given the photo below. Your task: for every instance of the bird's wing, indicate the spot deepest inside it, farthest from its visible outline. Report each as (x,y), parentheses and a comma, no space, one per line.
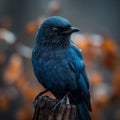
(78,67)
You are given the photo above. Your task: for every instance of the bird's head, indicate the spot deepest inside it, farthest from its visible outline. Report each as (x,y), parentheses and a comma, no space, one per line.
(55,31)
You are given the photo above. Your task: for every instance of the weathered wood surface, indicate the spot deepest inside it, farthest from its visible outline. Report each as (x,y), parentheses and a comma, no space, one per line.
(44,110)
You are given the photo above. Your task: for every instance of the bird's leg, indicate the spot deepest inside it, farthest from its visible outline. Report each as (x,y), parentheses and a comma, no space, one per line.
(39,94)
(61,102)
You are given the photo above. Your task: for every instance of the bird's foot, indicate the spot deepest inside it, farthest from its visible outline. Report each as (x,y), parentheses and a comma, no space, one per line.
(37,96)
(60,102)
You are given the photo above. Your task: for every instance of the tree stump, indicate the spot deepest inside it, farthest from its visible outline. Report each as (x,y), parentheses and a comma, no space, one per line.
(44,110)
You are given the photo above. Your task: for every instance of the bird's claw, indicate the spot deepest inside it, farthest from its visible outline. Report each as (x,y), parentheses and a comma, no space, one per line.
(37,96)
(60,103)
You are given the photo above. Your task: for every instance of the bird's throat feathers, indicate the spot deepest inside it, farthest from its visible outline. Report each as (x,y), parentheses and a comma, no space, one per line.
(54,42)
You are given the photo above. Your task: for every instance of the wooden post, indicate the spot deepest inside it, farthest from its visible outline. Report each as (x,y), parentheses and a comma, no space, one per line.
(44,110)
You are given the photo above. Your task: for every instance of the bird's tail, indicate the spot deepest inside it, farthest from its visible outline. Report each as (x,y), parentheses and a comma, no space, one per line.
(82,112)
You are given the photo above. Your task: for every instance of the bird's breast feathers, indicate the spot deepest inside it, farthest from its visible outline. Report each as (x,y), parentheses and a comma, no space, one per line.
(55,65)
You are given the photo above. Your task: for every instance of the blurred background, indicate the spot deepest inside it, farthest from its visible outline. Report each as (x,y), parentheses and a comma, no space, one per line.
(99,40)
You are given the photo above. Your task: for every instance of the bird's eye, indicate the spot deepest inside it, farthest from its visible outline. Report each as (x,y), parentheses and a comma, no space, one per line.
(55,29)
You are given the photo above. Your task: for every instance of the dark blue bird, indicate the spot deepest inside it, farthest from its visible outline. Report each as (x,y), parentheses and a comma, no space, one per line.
(59,66)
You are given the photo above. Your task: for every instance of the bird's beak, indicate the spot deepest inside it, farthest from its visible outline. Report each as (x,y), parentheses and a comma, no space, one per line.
(71,30)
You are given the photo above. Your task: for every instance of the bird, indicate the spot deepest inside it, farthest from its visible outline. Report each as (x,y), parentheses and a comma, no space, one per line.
(59,66)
